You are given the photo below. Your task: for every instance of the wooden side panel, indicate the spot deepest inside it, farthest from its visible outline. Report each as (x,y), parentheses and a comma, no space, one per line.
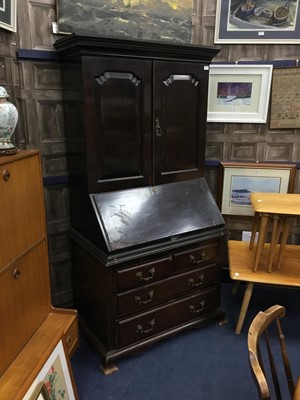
(22,212)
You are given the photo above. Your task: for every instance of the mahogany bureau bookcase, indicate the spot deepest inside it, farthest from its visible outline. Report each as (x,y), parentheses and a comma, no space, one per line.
(148,238)
(28,322)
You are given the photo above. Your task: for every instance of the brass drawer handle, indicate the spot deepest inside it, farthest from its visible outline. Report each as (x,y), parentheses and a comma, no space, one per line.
(141,331)
(17,273)
(200,260)
(6,175)
(139,300)
(141,278)
(195,310)
(196,282)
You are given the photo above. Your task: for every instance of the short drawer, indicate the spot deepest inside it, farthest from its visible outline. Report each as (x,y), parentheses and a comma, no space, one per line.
(71,337)
(143,274)
(140,299)
(167,317)
(196,257)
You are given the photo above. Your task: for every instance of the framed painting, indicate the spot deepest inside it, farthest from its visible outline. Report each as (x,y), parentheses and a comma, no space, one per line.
(257,21)
(167,21)
(55,379)
(285,111)
(239,179)
(239,93)
(8,15)
(41,393)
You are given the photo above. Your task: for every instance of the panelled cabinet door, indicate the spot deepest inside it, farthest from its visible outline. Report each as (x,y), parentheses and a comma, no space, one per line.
(117,95)
(180,96)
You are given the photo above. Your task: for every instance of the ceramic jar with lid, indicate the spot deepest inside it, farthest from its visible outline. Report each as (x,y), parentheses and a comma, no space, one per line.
(8,121)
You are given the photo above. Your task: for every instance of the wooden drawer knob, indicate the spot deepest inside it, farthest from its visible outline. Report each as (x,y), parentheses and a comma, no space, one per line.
(17,273)
(6,175)
(68,341)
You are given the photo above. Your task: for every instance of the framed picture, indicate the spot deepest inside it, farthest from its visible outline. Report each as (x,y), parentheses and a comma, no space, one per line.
(55,379)
(162,21)
(239,93)
(239,179)
(257,21)
(285,111)
(41,393)
(8,15)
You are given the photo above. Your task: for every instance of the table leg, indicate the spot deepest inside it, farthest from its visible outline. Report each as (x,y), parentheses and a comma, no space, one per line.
(255,228)
(261,239)
(244,307)
(274,238)
(284,236)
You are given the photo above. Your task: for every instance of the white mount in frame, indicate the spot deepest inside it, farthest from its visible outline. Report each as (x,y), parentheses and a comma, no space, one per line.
(239,93)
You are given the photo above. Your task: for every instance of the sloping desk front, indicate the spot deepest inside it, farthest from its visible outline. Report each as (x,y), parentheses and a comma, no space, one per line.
(241,260)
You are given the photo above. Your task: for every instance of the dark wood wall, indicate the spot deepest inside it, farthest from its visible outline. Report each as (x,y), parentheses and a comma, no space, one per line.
(34,85)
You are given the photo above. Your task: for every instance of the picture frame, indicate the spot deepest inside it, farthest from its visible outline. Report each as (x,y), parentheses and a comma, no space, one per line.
(243,21)
(239,93)
(55,378)
(8,15)
(239,179)
(284,110)
(168,21)
(41,392)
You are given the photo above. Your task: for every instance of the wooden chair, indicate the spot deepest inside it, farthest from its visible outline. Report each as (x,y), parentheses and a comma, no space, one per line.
(263,325)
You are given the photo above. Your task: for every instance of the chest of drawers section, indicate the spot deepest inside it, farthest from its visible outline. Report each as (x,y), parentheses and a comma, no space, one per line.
(175,291)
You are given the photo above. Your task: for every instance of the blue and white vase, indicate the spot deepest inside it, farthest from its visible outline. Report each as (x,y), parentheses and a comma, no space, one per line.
(8,121)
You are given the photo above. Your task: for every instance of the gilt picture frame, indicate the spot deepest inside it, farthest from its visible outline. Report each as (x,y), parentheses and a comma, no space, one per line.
(239,93)
(8,15)
(259,21)
(239,179)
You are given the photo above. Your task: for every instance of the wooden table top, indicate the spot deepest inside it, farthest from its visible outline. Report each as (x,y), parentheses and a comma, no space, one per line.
(276,203)
(241,260)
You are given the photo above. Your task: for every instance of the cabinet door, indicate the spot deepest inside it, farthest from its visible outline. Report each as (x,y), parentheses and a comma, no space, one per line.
(117,97)
(180,106)
(22,212)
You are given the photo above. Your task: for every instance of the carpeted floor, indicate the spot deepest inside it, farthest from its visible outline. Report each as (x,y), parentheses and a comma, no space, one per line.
(210,363)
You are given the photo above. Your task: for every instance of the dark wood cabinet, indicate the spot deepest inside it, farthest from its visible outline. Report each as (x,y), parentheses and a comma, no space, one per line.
(148,238)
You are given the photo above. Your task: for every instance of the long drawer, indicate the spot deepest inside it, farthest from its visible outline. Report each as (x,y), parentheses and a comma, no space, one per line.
(140,299)
(145,325)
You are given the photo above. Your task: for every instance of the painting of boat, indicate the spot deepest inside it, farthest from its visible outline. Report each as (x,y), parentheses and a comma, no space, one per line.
(157,20)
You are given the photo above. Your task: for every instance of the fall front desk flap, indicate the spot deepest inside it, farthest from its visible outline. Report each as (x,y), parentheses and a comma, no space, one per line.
(143,215)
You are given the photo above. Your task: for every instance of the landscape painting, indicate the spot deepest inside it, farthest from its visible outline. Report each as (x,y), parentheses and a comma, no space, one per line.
(156,20)
(237,93)
(242,186)
(240,179)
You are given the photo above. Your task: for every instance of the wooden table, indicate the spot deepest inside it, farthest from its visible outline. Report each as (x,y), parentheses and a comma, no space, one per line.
(280,208)
(241,260)
(297,390)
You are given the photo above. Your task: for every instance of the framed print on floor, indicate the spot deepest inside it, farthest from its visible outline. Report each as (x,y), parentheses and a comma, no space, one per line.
(239,179)
(257,21)
(54,377)
(8,15)
(239,93)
